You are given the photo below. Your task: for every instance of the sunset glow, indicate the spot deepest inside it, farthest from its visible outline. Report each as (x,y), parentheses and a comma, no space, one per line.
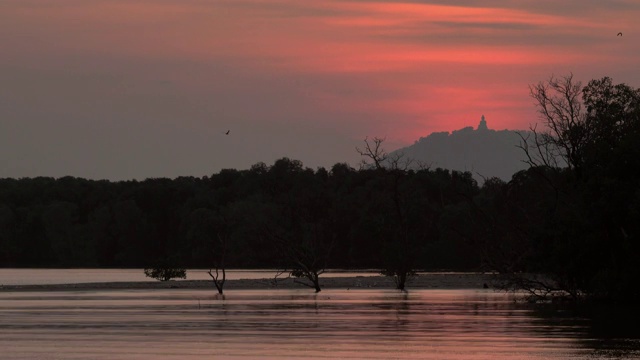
(162,79)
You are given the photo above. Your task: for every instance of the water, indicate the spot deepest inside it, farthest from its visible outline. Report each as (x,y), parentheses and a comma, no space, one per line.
(277,324)
(291,324)
(76,276)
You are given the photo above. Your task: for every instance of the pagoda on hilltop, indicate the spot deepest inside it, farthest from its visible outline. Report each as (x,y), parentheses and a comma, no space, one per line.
(483,124)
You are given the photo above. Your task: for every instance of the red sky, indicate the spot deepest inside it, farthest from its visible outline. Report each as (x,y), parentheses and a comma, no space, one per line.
(125,89)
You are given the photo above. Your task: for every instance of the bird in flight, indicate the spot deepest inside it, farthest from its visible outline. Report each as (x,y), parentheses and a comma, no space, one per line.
(619,34)
(227,133)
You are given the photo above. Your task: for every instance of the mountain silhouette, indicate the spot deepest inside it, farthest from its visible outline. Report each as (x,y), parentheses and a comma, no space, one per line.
(484,152)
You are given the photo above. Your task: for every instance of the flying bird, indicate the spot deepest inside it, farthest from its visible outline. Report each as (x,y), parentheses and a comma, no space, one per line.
(227,133)
(619,34)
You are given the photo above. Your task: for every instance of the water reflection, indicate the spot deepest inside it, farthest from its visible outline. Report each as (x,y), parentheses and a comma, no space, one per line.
(247,324)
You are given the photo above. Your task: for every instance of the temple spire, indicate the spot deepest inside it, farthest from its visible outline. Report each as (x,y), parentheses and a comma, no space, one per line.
(483,124)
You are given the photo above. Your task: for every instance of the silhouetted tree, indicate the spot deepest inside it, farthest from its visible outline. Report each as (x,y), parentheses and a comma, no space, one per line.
(208,232)
(299,223)
(398,215)
(374,152)
(582,244)
(165,272)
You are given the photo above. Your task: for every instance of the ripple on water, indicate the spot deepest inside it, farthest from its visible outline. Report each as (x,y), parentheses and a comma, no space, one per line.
(356,324)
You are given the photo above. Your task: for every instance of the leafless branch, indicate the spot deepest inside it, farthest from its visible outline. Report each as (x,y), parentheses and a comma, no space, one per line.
(561,110)
(374,151)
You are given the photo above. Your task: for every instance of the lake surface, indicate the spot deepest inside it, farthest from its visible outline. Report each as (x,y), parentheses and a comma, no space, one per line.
(76,276)
(292,324)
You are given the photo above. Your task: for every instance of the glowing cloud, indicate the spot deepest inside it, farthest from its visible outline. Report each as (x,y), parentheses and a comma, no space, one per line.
(343,68)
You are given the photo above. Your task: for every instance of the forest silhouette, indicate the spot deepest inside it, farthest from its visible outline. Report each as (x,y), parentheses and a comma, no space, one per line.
(568,224)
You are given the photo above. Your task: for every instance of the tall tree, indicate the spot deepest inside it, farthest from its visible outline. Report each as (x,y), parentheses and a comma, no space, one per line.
(586,238)
(396,211)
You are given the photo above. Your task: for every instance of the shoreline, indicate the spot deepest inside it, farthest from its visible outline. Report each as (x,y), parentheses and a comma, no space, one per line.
(418,282)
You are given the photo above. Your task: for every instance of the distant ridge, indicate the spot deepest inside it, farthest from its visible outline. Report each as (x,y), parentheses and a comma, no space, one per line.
(484,152)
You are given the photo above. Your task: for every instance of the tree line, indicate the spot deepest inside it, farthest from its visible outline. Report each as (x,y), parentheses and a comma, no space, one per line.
(568,224)
(256,215)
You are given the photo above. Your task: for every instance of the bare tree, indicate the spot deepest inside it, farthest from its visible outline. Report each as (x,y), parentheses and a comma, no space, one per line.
(539,149)
(374,152)
(220,275)
(560,105)
(307,251)
(209,232)
(567,130)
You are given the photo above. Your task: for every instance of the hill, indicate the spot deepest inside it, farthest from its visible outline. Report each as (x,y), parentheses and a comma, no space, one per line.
(484,152)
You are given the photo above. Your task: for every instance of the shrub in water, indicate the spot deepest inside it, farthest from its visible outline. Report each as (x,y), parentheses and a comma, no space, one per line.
(165,274)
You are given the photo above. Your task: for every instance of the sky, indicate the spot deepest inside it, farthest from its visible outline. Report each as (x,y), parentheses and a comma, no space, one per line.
(136,89)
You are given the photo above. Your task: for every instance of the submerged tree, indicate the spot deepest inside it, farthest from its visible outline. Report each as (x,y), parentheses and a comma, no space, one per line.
(164,271)
(300,225)
(396,212)
(208,232)
(306,252)
(290,219)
